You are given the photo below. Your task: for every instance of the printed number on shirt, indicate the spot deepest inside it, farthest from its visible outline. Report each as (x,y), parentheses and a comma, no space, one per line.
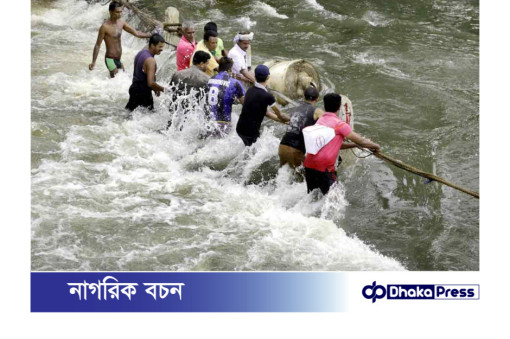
(213,96)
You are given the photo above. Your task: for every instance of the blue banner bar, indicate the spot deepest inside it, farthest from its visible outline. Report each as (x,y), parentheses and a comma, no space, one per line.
(188,292)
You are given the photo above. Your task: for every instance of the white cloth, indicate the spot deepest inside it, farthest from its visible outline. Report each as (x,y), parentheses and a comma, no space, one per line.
(316,137)
(239,58)
(240,36)
(260,86)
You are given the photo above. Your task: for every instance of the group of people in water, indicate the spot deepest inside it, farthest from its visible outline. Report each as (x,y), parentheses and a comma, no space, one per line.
(208,69)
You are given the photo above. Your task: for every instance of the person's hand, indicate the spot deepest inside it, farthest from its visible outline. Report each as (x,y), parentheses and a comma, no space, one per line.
(158,93)
(91,66)
(375,148)
(157,30)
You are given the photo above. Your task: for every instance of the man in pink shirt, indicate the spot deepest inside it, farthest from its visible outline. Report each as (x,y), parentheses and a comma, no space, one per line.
(320,171)
(186,46)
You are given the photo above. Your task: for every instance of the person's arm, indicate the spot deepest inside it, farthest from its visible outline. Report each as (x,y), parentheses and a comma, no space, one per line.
(133,31)
(273,116)
(97,47)
(239,91)
(362,142)
(283,117)
(150,70)
(317,113)
(248,75)
(212,65)
(191,59)
(347,145)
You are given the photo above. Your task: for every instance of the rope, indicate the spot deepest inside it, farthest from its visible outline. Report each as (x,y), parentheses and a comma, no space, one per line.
(359,157)
(419,172)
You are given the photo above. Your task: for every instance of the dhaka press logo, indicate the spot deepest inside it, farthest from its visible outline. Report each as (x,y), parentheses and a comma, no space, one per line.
(423,291)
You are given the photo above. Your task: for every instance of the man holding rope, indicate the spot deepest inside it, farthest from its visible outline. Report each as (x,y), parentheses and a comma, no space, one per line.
(255,108)
(223,90)
(292,146)
(320,171)
(144,75)
(242,42)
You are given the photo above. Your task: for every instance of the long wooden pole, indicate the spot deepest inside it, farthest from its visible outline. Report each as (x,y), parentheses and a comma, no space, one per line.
(419,172)
(142,15)
(283,96)
(169,27)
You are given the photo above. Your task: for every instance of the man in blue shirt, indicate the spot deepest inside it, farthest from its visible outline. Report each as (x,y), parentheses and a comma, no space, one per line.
(222,92)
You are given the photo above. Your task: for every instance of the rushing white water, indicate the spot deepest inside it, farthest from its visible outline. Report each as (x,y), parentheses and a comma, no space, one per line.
(268,10)
(112,191)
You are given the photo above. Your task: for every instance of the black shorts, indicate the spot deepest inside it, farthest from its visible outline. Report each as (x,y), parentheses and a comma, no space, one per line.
(139,97)
(248,140)
(317,179)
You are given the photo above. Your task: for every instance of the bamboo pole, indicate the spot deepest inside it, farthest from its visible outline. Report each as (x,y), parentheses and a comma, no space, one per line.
(147,19)
(419,172)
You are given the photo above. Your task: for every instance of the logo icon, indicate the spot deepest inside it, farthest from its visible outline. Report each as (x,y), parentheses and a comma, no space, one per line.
(376,292)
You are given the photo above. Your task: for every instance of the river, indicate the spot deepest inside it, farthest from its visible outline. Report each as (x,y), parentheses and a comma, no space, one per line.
(111,192)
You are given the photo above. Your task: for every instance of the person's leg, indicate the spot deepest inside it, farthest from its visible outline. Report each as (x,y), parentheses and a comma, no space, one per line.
(297,158)
(283,154)
(311,179)
(119,65)
(139,97)
(317,179)
(112,67)
(328,179)
(247,140)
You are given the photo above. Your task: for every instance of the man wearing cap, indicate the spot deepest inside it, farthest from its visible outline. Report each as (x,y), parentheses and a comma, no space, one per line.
(144,75)
(242,42)
(320,171)
(256,102)
(186,46)
(111,32)
(292,147)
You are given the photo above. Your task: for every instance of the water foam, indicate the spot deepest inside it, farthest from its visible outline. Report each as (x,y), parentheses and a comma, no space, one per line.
(314,4)
(246,22)
(376,19)
(268,10)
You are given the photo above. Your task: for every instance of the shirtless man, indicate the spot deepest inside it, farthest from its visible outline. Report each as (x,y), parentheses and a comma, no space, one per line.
(111,32)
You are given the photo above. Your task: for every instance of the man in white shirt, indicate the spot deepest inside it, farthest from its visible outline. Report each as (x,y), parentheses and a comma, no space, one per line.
(242,42)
